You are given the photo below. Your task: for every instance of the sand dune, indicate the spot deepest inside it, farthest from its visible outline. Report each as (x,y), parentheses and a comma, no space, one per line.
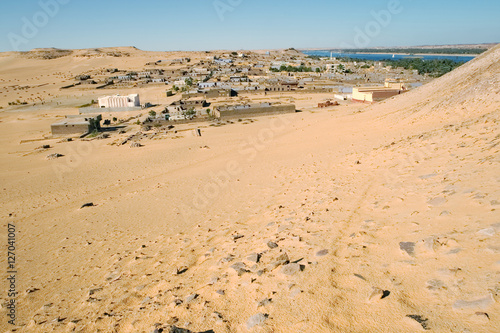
(371,219)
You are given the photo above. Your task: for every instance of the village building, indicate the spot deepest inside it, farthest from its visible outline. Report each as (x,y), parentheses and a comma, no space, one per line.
(144,75)
(282,86)
(180,83)
(124,77)
(395,84)
(190,103)
(223,62)
(174,72)
(207,94)
(83,77)
(238,79)
(249,110)
(78,125)
(374,94)
(208,84)
(118,101)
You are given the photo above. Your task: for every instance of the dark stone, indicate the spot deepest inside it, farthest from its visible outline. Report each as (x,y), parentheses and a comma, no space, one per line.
(93,291)
(191,298)
(254,257)
(322,253)
(360,276)
(181,270)
(240,268)
(88,204)
(421,320)
(265,302)
(408,247)
(272,245)
(175,329)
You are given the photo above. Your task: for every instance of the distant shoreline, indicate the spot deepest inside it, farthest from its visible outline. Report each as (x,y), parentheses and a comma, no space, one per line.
(424,54)
(404,54)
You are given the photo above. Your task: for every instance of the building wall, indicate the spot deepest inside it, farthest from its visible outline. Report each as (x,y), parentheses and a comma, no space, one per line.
(255,111)
(394,84)
(361,96)
(62,129)
(374,94)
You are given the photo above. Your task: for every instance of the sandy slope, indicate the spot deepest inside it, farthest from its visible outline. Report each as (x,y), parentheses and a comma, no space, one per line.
(388,218)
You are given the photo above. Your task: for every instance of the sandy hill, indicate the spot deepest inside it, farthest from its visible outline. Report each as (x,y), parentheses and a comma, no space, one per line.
(376,219)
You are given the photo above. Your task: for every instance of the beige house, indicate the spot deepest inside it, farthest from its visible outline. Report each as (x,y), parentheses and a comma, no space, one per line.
(392,87)
(395,84)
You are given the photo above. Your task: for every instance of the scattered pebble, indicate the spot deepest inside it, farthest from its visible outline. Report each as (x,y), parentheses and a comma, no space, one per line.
(254,257)
(191,298)
(487,232)
(240,268)
(256,320)
(93,291)
(408,247)
(291,269)
(322,253)
(54,156)
(236,237)
(359,276)
(88,204)
(421,320)
(264,302)
(31,290)
(378,293)
(213,281)
(438,201)
(435,284)
(483,314)
(481,303)
(272,245)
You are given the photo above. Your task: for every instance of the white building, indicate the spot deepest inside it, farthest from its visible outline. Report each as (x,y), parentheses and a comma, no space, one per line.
(205,85)
(118,101)
(180,83)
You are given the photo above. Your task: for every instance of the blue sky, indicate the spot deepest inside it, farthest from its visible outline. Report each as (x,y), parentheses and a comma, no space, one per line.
(165,25)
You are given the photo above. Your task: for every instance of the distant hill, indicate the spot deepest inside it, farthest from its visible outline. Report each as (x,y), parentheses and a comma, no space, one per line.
(439,49)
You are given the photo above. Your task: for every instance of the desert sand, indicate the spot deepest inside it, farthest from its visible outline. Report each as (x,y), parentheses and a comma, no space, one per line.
(365,218)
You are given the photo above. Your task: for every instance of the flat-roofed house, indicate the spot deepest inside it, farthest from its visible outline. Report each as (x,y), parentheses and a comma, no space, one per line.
(117,101)
(282,86)
(79,125)
(374,94)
